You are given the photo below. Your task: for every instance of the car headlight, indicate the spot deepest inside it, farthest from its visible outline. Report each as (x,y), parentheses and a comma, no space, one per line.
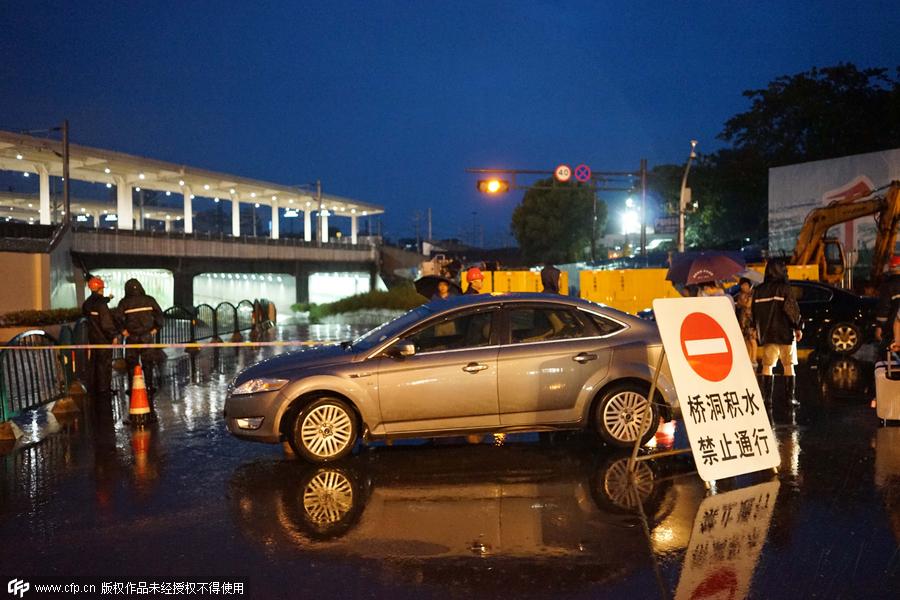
(262,384)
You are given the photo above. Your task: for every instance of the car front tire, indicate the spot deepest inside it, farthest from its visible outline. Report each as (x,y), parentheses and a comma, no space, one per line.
(619,414)
(324,430)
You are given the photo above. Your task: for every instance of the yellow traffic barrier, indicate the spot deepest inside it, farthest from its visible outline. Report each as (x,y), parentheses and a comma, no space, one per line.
(515,281)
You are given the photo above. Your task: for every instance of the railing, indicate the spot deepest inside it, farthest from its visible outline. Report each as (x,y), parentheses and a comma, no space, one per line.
(246,311)
(364,242)
(226,319)
(205,323)
(178,328)
(29,379)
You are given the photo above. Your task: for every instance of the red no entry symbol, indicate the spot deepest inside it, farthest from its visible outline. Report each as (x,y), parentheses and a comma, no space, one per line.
(706,347)
(582,173)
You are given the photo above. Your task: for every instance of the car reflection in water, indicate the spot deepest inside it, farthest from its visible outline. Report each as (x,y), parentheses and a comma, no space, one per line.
(528,509)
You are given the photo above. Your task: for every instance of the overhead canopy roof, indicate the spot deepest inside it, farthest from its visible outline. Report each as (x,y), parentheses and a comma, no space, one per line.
(20,152)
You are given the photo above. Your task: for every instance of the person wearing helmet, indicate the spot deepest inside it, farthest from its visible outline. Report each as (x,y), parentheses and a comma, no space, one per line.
(102,329)
(888,303)
(476,281)
(142,319)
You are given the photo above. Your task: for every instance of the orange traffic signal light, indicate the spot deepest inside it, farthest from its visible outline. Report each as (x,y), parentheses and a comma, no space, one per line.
(493,186)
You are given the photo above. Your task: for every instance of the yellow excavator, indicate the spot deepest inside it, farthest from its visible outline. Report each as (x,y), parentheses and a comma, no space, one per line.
(814,247)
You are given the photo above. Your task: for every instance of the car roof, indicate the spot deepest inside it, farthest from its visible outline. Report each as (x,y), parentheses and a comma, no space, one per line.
(462,301)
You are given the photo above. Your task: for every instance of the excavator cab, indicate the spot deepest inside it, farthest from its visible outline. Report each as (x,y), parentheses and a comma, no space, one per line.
(833,262)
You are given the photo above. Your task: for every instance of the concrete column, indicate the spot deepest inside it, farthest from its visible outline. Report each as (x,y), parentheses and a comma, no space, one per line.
(188,212)
(323,218)
(184,288)
(124,211)
(274,219)
(168,225)
(307,226)
(44,177)
(301,283)
(353,229)
(235,216)
(98,219)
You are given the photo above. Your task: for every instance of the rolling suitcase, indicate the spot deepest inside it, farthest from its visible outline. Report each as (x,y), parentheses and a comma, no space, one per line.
(887,389)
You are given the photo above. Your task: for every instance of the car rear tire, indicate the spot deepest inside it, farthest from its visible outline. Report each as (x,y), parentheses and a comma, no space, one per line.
(619,412)
(324,430)
(844,338)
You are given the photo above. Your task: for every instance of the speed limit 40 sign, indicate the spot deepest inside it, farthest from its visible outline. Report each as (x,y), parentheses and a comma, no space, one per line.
(563,173)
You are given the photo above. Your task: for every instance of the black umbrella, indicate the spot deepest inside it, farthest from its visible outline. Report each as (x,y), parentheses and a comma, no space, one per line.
(427,286)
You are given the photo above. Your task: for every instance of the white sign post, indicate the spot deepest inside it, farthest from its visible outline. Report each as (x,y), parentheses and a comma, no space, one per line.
(724,415)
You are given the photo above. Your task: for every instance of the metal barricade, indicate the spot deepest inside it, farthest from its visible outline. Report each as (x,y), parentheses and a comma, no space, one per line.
(178,328)
(205,322)
(245,315)
(226,319)
(30,378)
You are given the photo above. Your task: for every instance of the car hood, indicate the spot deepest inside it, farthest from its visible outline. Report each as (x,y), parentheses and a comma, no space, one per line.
(286,366)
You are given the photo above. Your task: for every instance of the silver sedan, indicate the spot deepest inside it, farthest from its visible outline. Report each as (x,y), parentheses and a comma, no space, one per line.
(489,363)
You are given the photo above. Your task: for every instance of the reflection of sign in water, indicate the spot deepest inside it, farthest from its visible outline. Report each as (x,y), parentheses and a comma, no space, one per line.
(729,532)
(724,415)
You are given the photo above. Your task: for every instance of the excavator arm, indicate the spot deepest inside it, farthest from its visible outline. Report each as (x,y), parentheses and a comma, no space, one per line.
(887,224)
(885,207)
(820,220)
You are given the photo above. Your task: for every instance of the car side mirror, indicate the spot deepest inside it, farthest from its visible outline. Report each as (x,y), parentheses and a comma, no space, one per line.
(402,349)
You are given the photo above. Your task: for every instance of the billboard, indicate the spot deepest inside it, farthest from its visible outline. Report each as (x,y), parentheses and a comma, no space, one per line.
(794,190)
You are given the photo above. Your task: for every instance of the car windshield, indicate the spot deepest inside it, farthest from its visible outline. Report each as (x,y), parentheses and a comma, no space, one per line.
(383,332)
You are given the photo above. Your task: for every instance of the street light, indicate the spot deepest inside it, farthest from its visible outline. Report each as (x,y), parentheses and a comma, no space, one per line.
(682,199)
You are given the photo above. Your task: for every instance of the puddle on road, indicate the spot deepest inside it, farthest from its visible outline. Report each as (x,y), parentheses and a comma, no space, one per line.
(527,515)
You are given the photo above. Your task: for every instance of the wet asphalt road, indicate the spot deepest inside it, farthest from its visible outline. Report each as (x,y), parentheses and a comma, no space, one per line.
(526,516)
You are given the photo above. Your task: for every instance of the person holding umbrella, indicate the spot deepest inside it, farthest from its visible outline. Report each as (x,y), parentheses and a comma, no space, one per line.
(435,287)
(777,317)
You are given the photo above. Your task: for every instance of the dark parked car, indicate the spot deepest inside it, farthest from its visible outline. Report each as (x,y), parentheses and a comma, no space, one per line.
(834,320)
(486,363)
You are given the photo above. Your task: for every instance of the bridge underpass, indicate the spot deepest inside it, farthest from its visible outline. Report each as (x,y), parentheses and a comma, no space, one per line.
(192,260)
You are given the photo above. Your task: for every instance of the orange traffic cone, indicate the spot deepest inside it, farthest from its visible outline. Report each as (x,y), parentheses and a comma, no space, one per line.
(139,411)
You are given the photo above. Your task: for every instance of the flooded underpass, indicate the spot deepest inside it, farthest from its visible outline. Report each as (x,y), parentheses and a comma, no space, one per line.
(525,515)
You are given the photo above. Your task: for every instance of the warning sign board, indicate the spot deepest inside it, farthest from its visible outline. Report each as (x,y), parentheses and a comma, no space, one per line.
(729,532)
(724,415)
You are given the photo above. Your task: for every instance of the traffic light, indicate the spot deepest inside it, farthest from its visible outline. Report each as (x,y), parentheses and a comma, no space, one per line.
(492,186)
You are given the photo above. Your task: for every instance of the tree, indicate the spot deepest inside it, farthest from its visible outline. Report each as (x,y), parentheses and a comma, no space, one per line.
(553,221)
(814,115)
(819,114)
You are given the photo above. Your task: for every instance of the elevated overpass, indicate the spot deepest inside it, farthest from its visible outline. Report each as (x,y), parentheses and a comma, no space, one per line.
(189,255)
(49,244)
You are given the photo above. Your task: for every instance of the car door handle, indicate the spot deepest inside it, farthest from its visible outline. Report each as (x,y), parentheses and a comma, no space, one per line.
(584,357)
(474,367)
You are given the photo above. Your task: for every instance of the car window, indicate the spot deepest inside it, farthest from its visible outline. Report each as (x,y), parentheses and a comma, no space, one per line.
(372,338)
(528,324)
(470,330)
(810,293)
(605,326)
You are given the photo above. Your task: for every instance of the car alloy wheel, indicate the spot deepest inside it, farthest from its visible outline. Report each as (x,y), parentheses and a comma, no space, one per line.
(324,430)
(627,490)
(327,497)
(844,338)
(621,413)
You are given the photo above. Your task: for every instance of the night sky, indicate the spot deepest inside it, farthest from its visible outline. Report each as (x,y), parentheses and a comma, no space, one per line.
(389,102)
